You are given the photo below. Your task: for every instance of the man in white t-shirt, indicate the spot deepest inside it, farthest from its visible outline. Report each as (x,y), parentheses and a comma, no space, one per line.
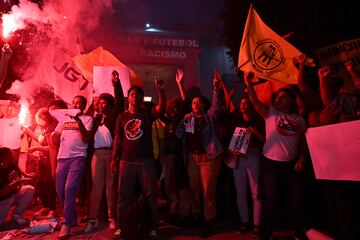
(75,133)
(283,161)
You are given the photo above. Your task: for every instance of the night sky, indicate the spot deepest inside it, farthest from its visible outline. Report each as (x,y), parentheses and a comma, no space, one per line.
(314,22)
(173,12)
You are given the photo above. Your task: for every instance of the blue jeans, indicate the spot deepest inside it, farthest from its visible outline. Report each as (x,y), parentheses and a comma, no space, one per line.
(21,199)
(69,173)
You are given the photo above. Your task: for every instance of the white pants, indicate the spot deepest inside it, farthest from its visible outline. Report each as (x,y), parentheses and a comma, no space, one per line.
(247,171)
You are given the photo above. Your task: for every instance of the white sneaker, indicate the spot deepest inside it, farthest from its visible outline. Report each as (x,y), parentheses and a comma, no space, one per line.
(51,214)
(153,234)
(64,232)
(91,225)
(19,219)
(112,224)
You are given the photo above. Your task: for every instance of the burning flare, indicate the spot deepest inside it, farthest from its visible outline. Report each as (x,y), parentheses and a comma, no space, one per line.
(9,24)
(12,21)
(24,113)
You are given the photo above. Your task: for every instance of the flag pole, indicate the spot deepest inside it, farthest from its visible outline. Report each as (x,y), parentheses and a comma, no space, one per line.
(286,36)
(246,62)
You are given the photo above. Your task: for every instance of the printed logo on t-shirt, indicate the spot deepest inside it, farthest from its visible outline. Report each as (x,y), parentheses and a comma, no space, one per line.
(71,126)
(286,126)
(133,129)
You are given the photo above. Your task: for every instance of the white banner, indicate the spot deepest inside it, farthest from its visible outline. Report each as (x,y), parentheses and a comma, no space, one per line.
(335,151)
(102,79)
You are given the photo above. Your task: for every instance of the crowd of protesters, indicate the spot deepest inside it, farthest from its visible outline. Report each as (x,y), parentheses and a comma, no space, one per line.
(178,150)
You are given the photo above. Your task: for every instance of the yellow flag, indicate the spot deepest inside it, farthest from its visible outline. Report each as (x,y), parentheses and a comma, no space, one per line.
(101,57)
(265,90)
(265,53)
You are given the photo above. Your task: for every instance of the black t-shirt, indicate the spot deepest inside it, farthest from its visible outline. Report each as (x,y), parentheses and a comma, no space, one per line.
(194,141)
(172,144)
(8,175)
(135,132)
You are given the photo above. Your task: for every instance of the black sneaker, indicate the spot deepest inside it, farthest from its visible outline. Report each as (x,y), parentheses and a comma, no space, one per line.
(256,233)
(207,231)
(256,230)
(172,218)
(185,222)
(244,228)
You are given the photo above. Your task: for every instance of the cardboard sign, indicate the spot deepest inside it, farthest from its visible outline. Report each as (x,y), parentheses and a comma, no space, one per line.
(102,79)
(336,55)
(240,141)
(335,151)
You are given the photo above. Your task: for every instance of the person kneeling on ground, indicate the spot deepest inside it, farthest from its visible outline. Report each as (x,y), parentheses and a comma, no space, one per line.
(14,190)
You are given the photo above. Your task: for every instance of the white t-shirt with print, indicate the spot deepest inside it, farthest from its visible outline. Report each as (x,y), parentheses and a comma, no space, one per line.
(283,132)
(71,144)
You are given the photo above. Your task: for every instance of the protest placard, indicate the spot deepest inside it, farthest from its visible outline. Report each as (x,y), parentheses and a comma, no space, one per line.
(240,141)
(335,151)
(102,79)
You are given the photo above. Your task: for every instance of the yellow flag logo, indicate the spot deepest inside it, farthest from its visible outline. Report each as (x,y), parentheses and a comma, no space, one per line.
(265,53)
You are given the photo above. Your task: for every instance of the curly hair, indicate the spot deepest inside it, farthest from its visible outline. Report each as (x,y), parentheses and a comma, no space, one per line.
(5,152)
(109,98)
(291,93)
(138,89)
